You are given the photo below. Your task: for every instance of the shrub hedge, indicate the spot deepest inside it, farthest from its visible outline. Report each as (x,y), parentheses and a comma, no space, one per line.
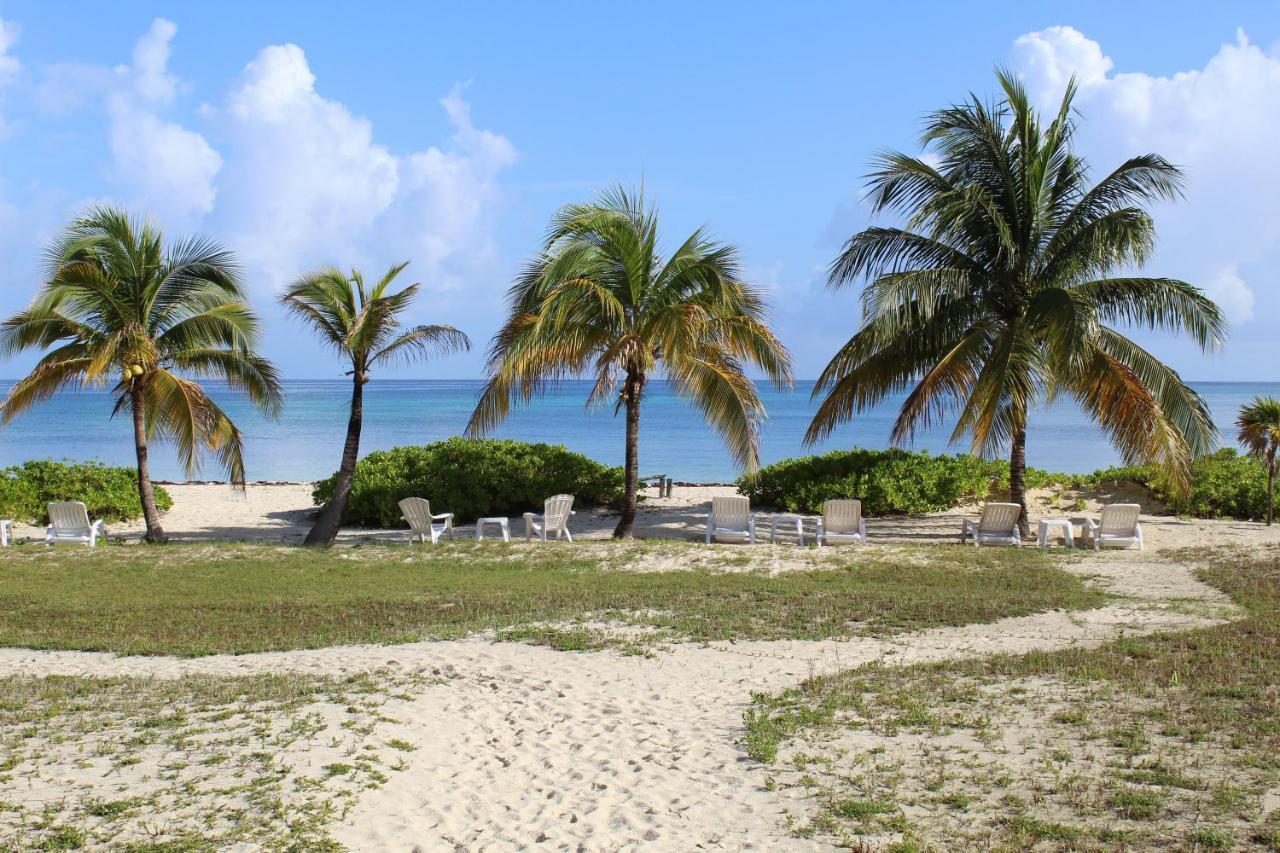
(472,478)
(1224,484)
(108,493)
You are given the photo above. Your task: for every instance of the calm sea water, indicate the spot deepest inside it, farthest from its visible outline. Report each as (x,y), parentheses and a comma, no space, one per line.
(306,442)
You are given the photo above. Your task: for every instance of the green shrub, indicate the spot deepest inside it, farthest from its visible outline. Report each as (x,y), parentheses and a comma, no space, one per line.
(1223,485)
(471,478)
(108,493)
(889,482)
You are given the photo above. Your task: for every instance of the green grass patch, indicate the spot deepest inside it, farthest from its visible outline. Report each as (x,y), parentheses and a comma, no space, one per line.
(206,599)
(1158,725)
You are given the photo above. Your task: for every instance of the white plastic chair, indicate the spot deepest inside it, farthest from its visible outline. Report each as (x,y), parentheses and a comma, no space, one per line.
(731,520)
(1118,527)
(69,522)
(842,521)
(554,519)
(417,511)
(6,524)
(998,523)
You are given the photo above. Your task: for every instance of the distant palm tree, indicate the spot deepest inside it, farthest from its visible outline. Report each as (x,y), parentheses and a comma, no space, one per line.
(363,325)
(1259,424)
(999,291)
(116,300)
(600,299)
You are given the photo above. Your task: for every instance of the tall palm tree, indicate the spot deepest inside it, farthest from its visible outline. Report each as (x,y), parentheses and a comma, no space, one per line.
(364,326)
(115,300)
(1004,286)
(600,299)
(1259,424)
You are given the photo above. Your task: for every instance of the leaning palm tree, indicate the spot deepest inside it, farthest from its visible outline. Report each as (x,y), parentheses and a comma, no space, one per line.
(1259,424)
(1004,286)
(115,300)
(600,299)
(364,326)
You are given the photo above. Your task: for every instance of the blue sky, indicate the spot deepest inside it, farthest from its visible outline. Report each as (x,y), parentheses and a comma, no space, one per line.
(302,134)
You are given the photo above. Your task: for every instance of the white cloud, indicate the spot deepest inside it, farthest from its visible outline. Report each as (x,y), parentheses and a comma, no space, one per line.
(1219,123)
(1231,293)
(161,166)
(307,183)
(9,64)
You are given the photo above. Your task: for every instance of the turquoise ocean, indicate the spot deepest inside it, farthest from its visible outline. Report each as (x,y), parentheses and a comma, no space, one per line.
(306,441)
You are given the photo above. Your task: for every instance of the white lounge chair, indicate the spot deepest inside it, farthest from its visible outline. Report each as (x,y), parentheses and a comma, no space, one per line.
(998,524)
(554,519)
(1118,527)
(69,522)
(6,525)
(842,521)
(417,511)
(731,520)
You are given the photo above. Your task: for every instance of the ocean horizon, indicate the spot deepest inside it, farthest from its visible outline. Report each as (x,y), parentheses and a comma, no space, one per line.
(305,442)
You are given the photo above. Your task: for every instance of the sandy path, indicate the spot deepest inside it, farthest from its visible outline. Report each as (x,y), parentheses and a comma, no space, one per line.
(598,751)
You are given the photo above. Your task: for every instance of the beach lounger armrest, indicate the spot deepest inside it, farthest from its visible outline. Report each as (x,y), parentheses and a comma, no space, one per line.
(443,515)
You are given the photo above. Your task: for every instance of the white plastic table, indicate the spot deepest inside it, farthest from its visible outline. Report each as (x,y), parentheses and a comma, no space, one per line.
(502,522)
(786,520)
(1048,525)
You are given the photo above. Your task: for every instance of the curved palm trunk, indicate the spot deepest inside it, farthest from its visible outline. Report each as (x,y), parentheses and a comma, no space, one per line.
(325,530)
(1018,478)
(631,390)
(150,512)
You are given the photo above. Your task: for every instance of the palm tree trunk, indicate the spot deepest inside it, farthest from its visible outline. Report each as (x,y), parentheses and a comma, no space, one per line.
(1018,478)
(150,512)
(325,530)
(631,391)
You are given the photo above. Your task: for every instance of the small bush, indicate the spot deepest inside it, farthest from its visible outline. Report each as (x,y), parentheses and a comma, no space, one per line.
(1223,485)
(471,478)
(889,482)
(108,493)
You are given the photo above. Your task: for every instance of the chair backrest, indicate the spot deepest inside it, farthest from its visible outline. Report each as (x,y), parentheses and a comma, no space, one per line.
(1120,519)
(417,511)
(555,511)
(999,518)
(841,516)
(730,512)
(69,517)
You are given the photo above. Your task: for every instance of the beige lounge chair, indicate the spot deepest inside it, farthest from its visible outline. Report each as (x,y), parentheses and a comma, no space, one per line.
(1118,527)
(731,520)
(6,525)
(422,526)
(842,521)
(69,522)
(998,524)
(554,519)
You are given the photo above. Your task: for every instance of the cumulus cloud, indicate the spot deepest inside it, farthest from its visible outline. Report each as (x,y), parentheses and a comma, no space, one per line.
(158,164)
(1218,122)
(307,183)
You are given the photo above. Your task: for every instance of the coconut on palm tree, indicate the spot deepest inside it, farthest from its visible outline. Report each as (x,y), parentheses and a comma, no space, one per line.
(1008,284)
(1259,424)
(365,326)
(600,299)
(118,308)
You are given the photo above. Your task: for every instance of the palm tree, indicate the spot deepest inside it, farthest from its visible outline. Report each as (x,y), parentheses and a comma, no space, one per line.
(364,326)
(1004,286)
(1259,424)
(600,299)
(115,299)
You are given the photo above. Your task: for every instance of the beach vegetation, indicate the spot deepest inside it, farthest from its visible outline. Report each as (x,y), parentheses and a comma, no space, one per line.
(1006,286)
(226,598)
(1224,484)
(120,309)
(601,298)
(1132,742)
(109,493)
(472,478)
(1259,433)
(364,324)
